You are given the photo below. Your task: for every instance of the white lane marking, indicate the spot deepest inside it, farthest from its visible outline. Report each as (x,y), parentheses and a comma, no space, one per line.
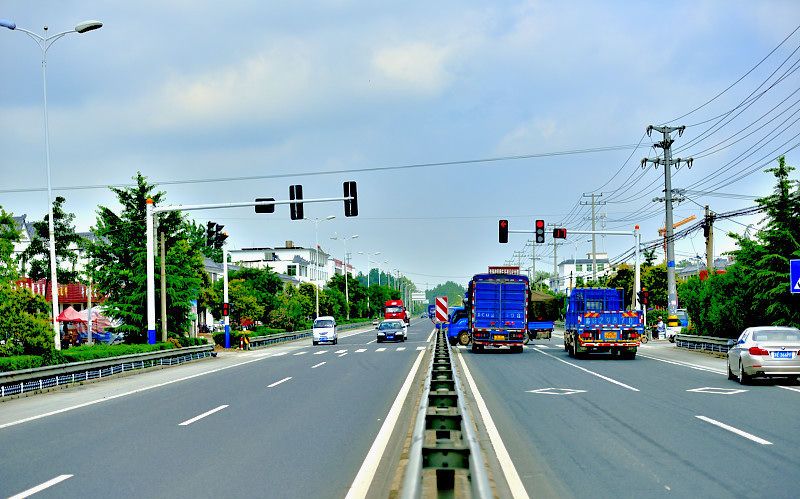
(276,355)
(610,380)
(357,351)
(737,431)
(41,487)
(418,348)
(716,390)
(429,336)
(373,341)
(341,355)
(399,349)
(337,351)
(298,353)
(315,353)
(684,364)
(125,394)
(377,350)
(197,418)
(312,367)
(789,388)
(279,382)
(506,464)
(365,475)
(557,391)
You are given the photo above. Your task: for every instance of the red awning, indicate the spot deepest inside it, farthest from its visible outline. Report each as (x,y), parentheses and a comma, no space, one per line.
(69,315)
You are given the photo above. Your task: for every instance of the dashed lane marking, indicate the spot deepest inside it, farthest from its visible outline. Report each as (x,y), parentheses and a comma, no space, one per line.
(314,366)
(357,351)
(201,416)
(41,487)
(343,354)
(315,353)
(420,348)
(340,351)
(399,349)
(279,382)
(378,350)
(298,353)
(610,380)
(737,431)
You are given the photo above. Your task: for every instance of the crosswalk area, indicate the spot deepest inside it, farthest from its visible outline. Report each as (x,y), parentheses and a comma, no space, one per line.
(340,351)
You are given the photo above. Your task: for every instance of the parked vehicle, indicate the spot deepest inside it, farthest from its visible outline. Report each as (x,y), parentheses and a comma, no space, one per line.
(392,330)
(324,330)
(765,351)
(497,307)
(595,322)
(395,309)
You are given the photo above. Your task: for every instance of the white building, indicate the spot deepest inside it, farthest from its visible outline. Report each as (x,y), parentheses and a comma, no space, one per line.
(572,268)
(296,262)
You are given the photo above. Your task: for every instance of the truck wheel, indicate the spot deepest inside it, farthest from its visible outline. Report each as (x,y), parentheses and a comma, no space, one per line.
(476,348)
(463,338)
(570,350)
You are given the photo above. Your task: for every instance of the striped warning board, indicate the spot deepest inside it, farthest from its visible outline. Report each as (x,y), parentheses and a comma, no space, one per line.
(441,308)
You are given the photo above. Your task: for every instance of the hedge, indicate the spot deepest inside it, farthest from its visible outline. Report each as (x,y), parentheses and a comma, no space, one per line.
(99,351)
(19,362)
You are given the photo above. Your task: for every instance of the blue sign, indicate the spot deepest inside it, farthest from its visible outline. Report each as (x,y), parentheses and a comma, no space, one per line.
(671,263)
(794,276)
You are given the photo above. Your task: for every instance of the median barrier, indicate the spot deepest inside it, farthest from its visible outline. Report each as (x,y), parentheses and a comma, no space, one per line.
(709,343)
(41,378)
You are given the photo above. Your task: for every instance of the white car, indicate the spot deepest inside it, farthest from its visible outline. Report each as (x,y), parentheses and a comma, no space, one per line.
(324,330)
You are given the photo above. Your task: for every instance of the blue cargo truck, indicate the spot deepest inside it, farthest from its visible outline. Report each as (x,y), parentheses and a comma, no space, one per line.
(597,322)
(497,306)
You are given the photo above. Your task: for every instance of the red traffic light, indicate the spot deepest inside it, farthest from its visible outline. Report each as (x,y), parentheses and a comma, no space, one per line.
(540,224)
(540,231)
(503,231)
(226,309)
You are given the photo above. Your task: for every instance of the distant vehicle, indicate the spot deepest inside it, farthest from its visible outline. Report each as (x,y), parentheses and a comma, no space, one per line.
(431,311)
(324,330)
(392,330)
(596,322)
(423,315)
(765,351)
(395,309)
(497,307)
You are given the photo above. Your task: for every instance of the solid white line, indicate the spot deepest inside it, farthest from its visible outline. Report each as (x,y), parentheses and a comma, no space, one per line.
(789,388)
(429,336)
(298,353)
(39,488)
(382,349)
(610,380)
(207,413)
(365,475)
(279,382)
(506,464)
(315,353)
(312,367)
(276,355)
(418,348)
(399,349)
(373,341)
(125,394)
(357,351)
(341,355)
(737,431)
(685,364)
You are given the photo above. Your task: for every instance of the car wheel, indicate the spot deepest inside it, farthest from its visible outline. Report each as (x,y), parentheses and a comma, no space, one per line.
(379,340)
(731,376)
(335,340)
(744,378)
(315,343)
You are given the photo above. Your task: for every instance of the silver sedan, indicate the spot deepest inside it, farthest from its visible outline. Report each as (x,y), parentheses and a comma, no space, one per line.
(765,351)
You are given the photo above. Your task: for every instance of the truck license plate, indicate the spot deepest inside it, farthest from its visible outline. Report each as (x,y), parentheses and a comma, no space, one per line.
(781,355)
(498,337)
(611,335)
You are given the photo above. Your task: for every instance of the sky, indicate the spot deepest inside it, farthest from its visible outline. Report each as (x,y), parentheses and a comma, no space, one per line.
(204,96)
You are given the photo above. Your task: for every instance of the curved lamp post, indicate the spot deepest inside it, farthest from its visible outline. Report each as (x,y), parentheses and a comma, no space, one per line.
(44,43)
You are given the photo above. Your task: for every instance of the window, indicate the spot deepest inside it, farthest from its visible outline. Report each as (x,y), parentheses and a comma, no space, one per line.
(588,266)
(291,270)
(599,267)
(579,267)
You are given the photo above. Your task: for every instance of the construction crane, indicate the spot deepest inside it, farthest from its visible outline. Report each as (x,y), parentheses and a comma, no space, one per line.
(663,231)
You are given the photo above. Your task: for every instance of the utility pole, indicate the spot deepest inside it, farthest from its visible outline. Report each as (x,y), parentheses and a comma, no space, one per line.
(708,228)
(594,236)
(163,288)
(555,261)
(668,163)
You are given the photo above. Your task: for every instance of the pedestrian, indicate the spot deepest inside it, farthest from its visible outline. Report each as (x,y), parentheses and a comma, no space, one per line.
(660,328)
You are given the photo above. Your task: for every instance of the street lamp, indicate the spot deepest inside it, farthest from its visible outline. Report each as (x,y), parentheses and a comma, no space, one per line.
(369,271)
(344,268)
(316,254)
(44,43)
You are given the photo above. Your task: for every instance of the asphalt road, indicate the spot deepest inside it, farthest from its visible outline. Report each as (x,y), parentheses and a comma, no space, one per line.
(288,421)
(602,427)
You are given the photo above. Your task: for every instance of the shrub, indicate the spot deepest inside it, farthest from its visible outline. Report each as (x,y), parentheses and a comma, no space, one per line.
(100,351)
(266,331)
(19,362)
(186,341)
(219,337)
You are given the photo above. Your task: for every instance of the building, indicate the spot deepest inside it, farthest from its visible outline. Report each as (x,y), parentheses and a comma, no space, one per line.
(570,269)
(720,263)
(297,263)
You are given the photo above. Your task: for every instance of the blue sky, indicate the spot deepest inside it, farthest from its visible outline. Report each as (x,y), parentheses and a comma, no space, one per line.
(186,90)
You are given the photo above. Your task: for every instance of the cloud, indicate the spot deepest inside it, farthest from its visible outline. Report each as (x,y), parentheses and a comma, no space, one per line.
(414,66)
(529,136)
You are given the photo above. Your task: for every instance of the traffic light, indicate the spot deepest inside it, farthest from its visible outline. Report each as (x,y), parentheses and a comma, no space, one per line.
(269,208)
(210,233)
(540,231)
(219,238)
(644,296)
(503,228)
(559,233)
(351,205)
(296,209)
(226,309)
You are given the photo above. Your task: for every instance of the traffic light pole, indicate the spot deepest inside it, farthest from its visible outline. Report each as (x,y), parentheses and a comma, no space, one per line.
(226,318)
(151,211)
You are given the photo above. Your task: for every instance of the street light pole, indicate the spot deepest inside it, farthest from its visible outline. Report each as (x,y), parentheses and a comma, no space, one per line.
(344,268)
(369,271)
(44,43)
(316,257)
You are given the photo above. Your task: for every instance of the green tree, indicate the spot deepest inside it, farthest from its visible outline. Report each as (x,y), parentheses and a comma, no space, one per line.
(8,236)
(453,291)
(294,310)
(25,323)
(623,278)
(262,284)
(654,279)
(244,305)
(36,257)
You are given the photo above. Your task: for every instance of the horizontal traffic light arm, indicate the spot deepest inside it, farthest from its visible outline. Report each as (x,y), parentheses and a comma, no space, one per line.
(583,232)
(187,207)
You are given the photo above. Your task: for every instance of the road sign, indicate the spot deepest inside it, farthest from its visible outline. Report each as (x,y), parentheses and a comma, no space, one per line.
(441,308)
(794,276)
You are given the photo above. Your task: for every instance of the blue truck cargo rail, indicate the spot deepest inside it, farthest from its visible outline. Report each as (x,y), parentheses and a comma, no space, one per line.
(497,305)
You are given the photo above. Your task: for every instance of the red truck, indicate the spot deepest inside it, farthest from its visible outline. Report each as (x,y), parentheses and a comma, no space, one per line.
(396,309)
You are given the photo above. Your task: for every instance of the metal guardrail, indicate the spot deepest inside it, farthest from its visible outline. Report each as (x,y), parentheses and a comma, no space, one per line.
(263,341)
(40,378)
(445,455)
(710,343)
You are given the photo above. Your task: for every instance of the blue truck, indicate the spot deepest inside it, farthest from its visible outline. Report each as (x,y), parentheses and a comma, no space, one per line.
(458,327)
(596,321)
(497,308)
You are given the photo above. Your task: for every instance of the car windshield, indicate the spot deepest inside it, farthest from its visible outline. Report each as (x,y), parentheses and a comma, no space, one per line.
(324,323)
(394,310)
(776,335)
(390,325)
